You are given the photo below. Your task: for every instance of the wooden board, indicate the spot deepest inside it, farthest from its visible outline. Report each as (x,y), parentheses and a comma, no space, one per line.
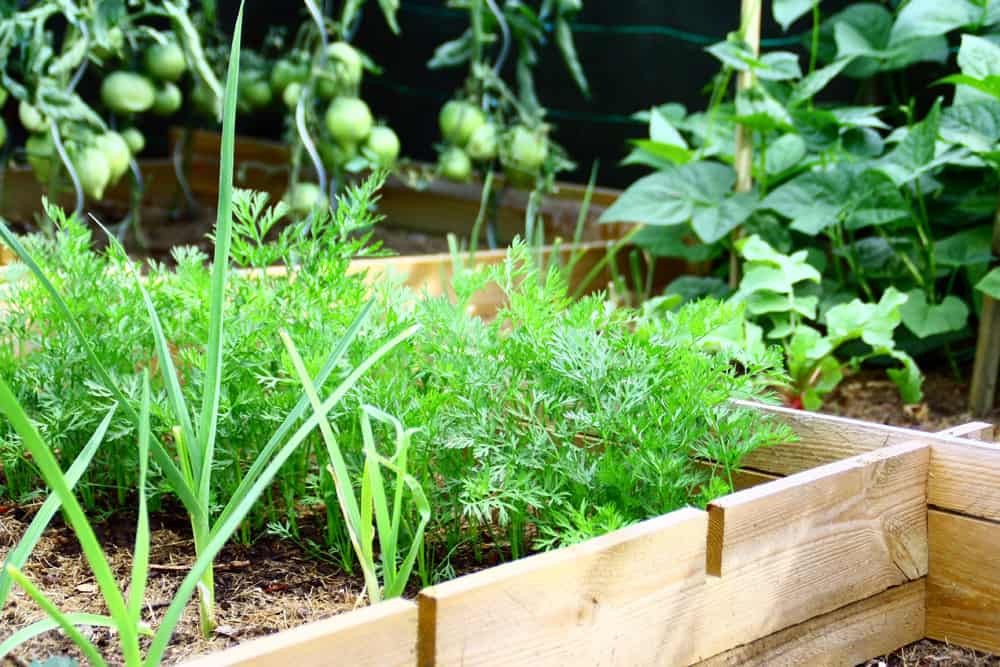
(982,431)
(610,600)
(825,439)
(440,206)
(384,635)
(809,544)
(870,506)
(965,477)
(963,585)
(848,636)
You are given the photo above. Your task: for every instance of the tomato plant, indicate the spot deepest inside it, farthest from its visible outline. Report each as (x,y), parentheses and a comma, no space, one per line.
(488,123)
(139,54)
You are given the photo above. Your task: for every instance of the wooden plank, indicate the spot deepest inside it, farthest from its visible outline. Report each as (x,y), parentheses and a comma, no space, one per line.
(963,585)
(610,600)
(848,636)
(825,439)
(384,635)
(872,505)
(812,543)
(982,431)
(965,478)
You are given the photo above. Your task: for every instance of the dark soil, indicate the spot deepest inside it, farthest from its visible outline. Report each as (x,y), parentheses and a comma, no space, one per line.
(871,396)
(261,589)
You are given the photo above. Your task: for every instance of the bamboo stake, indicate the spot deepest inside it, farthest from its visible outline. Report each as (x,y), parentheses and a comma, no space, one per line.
(750,17)
(983,390)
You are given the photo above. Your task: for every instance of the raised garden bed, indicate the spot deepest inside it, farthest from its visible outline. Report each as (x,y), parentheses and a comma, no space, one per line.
(855,541)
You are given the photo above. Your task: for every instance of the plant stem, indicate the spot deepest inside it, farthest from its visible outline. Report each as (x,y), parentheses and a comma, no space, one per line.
(814,43)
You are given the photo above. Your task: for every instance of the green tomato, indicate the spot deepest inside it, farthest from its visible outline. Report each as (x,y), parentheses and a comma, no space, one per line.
(117,153)
(255,91)
(482,145)
(455,165)
(293,92)
(326,87)
(3,96)
(41,151)
(166,62)
(31,118)
(286,72)
(347,64)
(168,100)
(528,149)
(569,6)
(203,99)
(127,92)
(459,120)
(348,120)
(133,137)
(336,154)
(116,40)
(3,133)
(303,198)
(384,145)
(93,170)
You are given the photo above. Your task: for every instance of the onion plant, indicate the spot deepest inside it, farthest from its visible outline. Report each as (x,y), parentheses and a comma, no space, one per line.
(358,518)
(188,468)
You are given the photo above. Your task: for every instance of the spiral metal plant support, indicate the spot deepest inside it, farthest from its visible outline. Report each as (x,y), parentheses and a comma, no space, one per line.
(75,81)
(64,156)
(505,32)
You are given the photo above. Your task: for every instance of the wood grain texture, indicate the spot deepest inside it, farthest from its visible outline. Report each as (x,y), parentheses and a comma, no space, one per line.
(825,439)
(870,508)
(384,635)
(963,584)
(982,431)
(847,636)
(965,478)
(811,543)
(615,599)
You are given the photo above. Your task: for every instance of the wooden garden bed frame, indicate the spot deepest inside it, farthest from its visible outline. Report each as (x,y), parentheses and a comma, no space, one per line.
(855,541)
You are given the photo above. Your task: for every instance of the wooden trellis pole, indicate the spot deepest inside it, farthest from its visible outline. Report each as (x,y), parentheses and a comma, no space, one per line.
(982,392)
(750,16)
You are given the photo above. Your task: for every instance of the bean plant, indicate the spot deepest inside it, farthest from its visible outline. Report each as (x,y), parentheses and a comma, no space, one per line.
(891,194)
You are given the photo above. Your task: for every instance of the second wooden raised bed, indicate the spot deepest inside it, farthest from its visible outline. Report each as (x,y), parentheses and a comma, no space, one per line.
(856,540)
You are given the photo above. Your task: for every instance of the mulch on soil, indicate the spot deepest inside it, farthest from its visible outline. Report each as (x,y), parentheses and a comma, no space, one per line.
(262,589)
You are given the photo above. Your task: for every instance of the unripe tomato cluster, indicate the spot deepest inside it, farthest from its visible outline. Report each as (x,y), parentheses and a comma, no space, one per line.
(101,157)
(349,134)
(472,137)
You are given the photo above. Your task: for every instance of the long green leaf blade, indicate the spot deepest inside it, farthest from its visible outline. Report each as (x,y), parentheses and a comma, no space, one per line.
(53,476)
(223,529)
(140,555)
(220,269)
(19,555)
(49,607)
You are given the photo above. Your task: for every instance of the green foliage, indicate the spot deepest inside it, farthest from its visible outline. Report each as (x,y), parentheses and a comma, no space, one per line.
(884,196)
(775,290)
